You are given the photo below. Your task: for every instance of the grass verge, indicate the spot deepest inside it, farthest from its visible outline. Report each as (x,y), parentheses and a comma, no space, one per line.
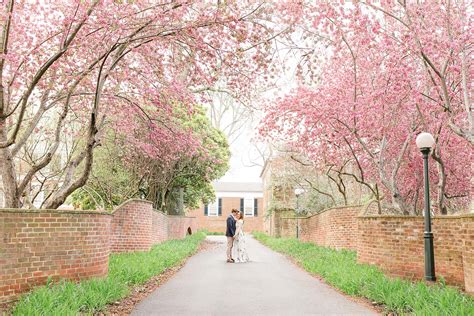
(125,270)
(340,269)
(215,233)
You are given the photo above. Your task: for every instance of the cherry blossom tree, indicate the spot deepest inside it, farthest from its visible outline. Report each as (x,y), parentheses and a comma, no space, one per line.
(68,68)
(392,69)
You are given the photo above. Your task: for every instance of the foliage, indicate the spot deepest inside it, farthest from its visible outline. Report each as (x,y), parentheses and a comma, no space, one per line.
(111,182)
(125,270)
(118,174)
(209,163)
(340,269)
(191,167)
(70,68)
(372,76)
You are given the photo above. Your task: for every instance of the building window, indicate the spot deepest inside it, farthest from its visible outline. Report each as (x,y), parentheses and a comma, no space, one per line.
(213,209)
(249,207)
(255,207)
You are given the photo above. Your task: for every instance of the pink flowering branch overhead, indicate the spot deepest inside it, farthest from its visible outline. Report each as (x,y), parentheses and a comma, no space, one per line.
(392,70)
(68,68)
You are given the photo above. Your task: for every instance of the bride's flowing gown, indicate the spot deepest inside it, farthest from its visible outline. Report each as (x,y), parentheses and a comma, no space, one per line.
(239,243)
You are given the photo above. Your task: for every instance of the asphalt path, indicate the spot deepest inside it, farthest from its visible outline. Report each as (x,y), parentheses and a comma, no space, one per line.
(268,285)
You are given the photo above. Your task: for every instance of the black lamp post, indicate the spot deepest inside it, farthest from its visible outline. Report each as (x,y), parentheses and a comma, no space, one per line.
(425,141)
(298,193)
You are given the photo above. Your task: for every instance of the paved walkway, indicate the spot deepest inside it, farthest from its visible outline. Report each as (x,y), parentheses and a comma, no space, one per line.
(269,285)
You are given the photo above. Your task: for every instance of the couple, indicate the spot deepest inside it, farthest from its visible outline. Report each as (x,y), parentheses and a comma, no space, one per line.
(235,237)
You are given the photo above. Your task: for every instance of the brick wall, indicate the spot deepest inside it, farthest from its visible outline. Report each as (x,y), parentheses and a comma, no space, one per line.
(136,226)
(180,226)
(132,226)
(37,244)
(218,223)
(160,230)
(334,227)
(395,243)
(468,253)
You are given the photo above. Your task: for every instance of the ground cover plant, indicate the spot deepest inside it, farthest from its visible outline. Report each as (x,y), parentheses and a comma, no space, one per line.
(125,271)
(340,269)
(215,233)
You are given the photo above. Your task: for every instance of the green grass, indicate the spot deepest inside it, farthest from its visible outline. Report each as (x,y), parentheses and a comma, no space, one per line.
(340,269)
(215,233)
(125,271)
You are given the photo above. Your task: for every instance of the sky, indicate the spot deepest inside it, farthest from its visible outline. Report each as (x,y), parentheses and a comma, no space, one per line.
(246,162)
(242,169)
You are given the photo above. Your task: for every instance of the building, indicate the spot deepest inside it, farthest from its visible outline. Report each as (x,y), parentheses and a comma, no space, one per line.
(244,196)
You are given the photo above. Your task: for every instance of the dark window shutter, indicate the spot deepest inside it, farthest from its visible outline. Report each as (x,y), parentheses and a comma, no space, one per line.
(255,207)
(220,207)
(206,210)
(242,205)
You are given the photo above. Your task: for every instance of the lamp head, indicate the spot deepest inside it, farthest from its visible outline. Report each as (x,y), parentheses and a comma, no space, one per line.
(425,141)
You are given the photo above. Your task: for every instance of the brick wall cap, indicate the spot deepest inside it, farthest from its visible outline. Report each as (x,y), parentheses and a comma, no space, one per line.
(130,201)
(335,208)
(158,211)
(281,209)
(382,216)
(182,216)
(22,210)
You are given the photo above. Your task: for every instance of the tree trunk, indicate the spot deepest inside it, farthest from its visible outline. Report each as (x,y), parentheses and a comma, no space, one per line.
(441,182)
(377,197)
(7,168)
(7,165)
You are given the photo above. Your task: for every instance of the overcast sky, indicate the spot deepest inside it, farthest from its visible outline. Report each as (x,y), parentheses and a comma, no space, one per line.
(246,163)
(241,169)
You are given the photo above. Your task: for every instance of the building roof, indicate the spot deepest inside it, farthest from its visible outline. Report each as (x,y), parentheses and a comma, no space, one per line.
(238,186)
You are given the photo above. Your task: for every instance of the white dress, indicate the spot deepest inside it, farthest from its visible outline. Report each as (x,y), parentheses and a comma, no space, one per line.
(239,243)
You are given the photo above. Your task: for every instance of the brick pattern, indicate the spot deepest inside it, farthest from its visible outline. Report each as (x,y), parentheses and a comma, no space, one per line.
(468,253)
(218,223)
(35,245)
(395,243)
(160,231)
(180,226)
(132,226)
(335,228)
(136,226)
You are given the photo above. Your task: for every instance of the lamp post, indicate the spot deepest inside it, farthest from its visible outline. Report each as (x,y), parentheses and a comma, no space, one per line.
(425,141)
(298,192)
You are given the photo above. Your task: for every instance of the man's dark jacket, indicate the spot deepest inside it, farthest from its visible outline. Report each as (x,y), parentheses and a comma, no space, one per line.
(230,232)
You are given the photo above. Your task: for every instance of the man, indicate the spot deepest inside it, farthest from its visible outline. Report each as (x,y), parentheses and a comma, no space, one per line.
(230,232)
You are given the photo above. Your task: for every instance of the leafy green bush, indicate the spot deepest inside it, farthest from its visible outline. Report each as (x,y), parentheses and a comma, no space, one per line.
(125,270)
(340,269)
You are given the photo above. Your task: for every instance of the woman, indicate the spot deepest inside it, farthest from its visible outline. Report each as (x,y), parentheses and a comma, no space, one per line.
(239,240)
